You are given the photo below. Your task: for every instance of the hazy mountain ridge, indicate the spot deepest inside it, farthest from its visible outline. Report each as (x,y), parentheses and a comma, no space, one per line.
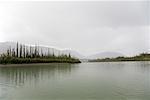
(6,45)
(105,55)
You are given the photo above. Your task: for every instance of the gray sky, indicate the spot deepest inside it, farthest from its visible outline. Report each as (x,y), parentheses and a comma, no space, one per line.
(87,27)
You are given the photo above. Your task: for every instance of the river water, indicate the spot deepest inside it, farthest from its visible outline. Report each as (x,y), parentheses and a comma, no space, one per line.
(85,81)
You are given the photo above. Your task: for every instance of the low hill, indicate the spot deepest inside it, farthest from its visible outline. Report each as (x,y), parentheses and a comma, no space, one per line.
(105,55)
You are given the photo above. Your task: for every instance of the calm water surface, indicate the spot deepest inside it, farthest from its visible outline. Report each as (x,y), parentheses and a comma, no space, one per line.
(85,81)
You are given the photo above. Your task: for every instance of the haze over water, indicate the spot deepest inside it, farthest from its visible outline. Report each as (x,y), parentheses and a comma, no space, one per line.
(85,81)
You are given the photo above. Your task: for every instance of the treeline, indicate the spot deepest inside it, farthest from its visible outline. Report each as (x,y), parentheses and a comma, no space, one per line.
(140,57)
(33,54)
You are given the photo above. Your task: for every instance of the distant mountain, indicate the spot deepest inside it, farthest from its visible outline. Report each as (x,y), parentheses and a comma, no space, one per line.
(73,53)
(105,55)
(6,45)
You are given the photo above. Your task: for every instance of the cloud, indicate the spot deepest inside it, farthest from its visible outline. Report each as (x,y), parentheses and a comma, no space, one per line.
(88,27)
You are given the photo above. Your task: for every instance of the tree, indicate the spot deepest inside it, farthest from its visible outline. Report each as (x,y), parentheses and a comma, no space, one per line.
(69,55)
(20,51)
(10,51)
(24,51)
(35,51)
(27,52)
(13,52)
(17,50)
(42,53)
(30,51)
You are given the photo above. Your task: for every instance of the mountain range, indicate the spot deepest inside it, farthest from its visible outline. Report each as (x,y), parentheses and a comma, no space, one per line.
(105,55)
(6,45)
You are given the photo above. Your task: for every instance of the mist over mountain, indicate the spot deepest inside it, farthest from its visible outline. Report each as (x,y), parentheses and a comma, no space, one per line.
(73,53)
(105,55)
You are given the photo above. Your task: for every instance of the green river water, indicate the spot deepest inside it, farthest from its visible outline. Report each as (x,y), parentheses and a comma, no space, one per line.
(85,81)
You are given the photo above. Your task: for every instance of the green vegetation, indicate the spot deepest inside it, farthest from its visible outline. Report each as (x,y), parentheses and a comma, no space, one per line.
(140,57)
(23,54)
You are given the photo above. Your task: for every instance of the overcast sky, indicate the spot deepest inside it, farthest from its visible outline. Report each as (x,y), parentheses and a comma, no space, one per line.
(87,27)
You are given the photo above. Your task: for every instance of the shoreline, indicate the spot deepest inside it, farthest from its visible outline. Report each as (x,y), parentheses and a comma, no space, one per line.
(15,65)
(29,64)
(122,61)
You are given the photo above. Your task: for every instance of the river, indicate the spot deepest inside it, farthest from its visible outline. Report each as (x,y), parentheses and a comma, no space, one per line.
(85,81)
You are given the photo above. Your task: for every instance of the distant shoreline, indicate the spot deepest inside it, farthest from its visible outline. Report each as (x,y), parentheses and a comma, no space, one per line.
(140,57)
(42,64)
(121,61)
(29,64)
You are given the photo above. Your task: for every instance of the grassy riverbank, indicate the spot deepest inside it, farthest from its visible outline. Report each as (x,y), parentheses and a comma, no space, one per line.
(9,60)
(140,57)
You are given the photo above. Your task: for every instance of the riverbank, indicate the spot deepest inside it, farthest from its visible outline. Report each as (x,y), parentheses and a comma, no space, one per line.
(37,60)
(35,64)
(140,57)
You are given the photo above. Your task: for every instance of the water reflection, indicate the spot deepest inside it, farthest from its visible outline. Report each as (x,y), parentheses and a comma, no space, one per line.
(19,75)
(86,81)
